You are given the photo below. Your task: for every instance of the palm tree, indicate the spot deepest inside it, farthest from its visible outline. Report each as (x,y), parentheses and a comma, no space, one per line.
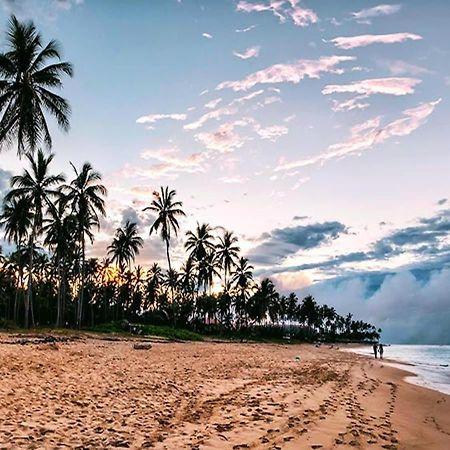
(60,230)
(242,278)
(17,219)
(227,252)
(86,195)
(39,188)
(125,245)
(25,83)
(200,241)
(167,211)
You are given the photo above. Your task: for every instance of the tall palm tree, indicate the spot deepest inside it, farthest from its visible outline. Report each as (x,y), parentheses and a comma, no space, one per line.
(60,229)
(242,278)
(125,245)
(28,71)
(17,219)
(200,242)
(227,252)
(40,188)
(167,211)
(86,195)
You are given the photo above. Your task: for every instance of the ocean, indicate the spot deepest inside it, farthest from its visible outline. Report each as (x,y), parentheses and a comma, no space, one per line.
(429,363)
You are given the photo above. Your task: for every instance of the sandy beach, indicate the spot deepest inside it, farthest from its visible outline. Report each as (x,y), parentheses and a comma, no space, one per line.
(97,394)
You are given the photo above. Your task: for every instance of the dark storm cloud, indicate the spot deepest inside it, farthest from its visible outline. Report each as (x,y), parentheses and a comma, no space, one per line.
(282,242)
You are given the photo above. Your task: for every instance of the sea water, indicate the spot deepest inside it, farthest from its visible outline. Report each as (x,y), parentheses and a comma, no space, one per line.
(429,363)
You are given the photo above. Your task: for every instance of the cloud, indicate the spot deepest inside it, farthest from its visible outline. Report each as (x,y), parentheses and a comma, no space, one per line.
(388,86)
(282,9)
(399,67)
(280,243)
(245,30)
(153,118)
(169,164)
(350,105)
(288,73)
(366,135)
(442,201)
(215,114)
(207,35)
(271,133)
(213,103)
(5,176)
(251,52)
(380,10)
(223,140)
(347,43)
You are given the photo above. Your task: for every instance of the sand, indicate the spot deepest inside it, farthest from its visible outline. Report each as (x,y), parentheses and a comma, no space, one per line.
(96,394)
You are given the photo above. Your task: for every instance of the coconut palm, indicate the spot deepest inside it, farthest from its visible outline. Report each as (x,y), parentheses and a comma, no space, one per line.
(60,229)
(167,211)
(29,69)
(17,220)
(40,188)
(125,245)
(227,252)
(86,195)
(200,242)
(242,279)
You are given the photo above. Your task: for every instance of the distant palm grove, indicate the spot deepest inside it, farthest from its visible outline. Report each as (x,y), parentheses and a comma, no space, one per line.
(50,221)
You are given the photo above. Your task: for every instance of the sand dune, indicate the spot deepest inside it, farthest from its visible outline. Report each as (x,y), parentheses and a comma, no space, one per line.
(94,394)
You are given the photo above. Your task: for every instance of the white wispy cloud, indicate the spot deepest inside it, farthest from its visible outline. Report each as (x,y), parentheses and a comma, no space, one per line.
(291,73)
(207,35)
(272,132)
(224,139)
(389,86)
(152,118)
(349,42)
(215,114)
(213,103)
(350,105)
(379,10)
(366,135)
(237,179)
(399,67)
(251,52)
(282,9)
(244,30)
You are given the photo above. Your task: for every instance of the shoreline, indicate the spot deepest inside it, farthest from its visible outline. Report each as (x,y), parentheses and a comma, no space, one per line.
(200,395)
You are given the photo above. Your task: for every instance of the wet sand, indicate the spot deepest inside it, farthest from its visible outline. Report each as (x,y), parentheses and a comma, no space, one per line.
(96,394)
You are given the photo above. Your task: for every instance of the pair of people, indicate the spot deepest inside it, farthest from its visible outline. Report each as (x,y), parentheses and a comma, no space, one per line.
(378,349)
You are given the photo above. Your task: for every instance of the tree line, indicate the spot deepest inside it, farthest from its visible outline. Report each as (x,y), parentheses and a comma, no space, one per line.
(48,279)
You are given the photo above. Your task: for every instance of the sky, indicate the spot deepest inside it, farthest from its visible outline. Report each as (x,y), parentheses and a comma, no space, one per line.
(316,130)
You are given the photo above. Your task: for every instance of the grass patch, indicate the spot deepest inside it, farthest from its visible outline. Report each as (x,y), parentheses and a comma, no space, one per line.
(176,334)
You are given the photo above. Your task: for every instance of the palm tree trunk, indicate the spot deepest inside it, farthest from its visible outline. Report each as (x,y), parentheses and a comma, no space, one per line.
(81,293)
(28,298)
(171,285)
(59,297)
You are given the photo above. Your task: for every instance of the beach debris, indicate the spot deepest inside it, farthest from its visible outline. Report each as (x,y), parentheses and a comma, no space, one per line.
(297,358)
(142,346)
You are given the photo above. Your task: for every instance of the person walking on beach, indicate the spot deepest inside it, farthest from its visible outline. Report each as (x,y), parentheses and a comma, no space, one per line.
(381,350)
(375,350)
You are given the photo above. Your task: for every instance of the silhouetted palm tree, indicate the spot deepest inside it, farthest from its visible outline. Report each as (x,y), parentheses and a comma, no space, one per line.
(39,187)
(227,252)
(125,245)
(60,230)
(17,219)
(86,195)
(200,242)
(242,278)
(167,211)
(25,83)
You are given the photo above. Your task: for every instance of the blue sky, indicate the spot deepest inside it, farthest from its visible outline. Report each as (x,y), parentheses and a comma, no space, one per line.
(316,130)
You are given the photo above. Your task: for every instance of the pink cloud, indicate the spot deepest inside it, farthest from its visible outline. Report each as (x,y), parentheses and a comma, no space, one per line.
(224,139)
(350,105)
(350,42)
(216,114)
(366,135)
(251,52)
(272,132)
(389,86)
(213,103)
(152,118)
(291,73)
